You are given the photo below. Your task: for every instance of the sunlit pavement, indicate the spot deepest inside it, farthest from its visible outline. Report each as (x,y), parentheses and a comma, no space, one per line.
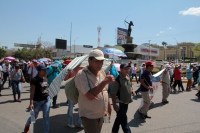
(181,115)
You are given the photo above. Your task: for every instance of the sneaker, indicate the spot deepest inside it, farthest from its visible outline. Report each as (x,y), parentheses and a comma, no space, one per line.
(19,100)
(55,106)
(141,115)
(71,126)
(0,95)
(26,129)
(15,100)
(80,126)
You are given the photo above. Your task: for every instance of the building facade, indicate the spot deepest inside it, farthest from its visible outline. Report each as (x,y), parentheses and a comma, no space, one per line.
(182,50)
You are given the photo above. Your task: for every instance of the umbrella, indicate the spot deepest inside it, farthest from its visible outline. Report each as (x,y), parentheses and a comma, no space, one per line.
(9,58)
(42,59)
(47,59)
(114,51)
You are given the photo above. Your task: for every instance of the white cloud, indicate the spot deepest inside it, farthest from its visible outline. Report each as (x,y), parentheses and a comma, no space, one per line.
(170,28)
(191,11)
(157,34)
(161,32)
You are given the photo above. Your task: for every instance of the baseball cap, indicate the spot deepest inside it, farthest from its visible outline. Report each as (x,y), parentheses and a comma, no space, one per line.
(97,54)
(124,65)
(149,62)
(41,67)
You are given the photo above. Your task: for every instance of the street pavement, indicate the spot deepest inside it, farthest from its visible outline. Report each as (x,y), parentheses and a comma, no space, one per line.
(181,115)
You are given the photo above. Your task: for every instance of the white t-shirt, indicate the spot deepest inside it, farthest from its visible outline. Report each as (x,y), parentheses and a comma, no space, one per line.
(35,72)
(6,68)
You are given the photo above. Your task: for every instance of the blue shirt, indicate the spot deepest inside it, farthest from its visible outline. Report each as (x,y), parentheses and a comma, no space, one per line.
(189,73)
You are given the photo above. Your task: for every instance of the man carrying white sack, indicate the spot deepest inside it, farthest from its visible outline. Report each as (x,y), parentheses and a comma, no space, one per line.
(166,84)
(92,84)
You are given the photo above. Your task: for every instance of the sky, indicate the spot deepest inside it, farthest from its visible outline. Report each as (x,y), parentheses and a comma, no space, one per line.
(24,21)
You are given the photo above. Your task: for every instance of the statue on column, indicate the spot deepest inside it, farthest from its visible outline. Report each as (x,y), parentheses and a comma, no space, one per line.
(129,27)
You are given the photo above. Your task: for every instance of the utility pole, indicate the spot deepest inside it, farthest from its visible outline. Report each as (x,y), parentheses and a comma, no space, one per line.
(149,50)
(70,38)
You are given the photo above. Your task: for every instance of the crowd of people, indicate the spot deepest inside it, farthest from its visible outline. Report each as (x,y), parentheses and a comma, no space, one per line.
(94,90)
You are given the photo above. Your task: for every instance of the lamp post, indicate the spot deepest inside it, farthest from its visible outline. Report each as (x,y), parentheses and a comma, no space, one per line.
(74,46)
(176,49)
(149,50)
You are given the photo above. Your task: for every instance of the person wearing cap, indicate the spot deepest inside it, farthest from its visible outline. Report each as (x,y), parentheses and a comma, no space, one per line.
(12,68)
(166,84)
(189,76)
(32,71)
(15,77)
(122,88)
(39,98)
(92,84)
(146,86)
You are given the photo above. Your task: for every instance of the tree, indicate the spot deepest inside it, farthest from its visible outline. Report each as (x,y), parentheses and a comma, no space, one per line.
(164,46)
(196,49)
(2,53)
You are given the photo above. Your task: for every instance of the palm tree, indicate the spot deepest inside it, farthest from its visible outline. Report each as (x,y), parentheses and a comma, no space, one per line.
(164,46)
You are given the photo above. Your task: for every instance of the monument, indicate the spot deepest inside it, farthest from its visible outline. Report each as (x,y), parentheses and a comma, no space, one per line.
(129,46)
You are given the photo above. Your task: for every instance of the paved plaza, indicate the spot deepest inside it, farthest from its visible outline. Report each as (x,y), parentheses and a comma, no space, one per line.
(181,115)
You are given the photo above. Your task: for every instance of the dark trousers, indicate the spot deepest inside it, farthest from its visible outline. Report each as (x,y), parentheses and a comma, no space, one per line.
(55,99)
(138,90)
(194,82)
(134,75)
(121,119)
(179,83)
(5,77)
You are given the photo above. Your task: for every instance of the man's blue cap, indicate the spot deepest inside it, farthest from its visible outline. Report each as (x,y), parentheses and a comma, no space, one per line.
(41,67)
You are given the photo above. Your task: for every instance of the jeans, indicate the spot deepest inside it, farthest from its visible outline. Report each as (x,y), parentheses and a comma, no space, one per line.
(16,87)
(121,119)
(70,114)
(45,107)
(134,75)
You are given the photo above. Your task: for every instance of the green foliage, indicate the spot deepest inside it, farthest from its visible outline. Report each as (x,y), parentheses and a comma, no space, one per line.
(2,53)
(29,54)
(164,43)
(196,49)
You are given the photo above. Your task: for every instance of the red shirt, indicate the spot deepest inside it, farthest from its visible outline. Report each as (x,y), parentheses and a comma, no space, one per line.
(177,74)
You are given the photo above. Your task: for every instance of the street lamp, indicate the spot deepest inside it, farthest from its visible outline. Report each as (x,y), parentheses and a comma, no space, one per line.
(149,50)
(74,46)
(176,49)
